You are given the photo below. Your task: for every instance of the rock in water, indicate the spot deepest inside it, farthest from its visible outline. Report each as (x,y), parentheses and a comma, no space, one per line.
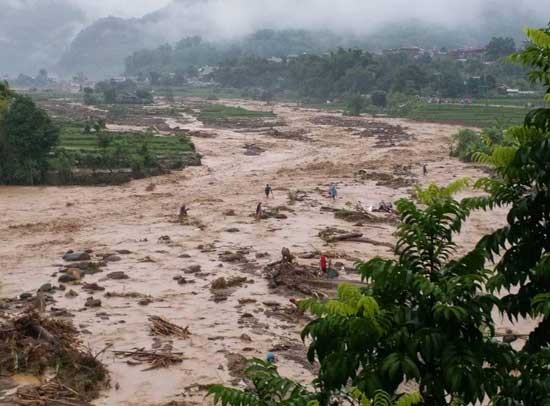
(91,302)
(66,278)
(76,256)
(47,287)
(71,293)
(112,258)
(117,275)
(93,287)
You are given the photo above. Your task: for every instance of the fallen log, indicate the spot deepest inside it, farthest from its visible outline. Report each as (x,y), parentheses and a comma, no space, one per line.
(372,242)
(344,237)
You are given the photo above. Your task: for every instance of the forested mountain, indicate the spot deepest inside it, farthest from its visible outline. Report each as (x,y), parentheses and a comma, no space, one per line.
(38,34)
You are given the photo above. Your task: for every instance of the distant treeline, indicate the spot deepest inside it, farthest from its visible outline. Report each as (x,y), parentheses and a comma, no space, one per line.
(341,72)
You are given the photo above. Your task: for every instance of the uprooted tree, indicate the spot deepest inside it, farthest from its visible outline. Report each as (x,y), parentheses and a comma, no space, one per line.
(426,317)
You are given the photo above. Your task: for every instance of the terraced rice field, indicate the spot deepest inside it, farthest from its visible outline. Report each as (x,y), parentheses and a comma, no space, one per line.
(475,116)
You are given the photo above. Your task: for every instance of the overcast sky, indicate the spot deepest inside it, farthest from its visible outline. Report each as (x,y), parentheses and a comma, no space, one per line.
(448,10)
(119,8)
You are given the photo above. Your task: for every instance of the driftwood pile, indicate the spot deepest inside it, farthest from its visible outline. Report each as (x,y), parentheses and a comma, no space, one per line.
(31,344)
(358,215)
(156,359)
(50,393)
(291,134)
(162,327)
(291,275)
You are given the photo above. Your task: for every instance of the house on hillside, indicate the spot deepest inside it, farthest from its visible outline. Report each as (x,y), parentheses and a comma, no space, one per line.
(414,52)
(468,53)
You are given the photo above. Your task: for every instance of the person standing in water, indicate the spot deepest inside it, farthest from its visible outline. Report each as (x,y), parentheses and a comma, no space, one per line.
(332,191)
(425,169)
(183,213)
(268,190)
(323,264)
(259,211)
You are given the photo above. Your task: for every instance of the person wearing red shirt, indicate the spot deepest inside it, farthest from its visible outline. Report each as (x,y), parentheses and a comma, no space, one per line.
(323,264)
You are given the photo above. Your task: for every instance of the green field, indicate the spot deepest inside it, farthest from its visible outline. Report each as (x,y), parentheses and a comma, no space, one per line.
(196,91)
(511,101)
(468,115)
(219,112)
(43,95)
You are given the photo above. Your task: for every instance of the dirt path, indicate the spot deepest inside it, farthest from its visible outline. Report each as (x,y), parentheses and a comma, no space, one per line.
(40,224)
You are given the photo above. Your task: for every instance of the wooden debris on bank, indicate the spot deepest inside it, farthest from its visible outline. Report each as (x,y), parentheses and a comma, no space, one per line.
(50,393)
(162,327)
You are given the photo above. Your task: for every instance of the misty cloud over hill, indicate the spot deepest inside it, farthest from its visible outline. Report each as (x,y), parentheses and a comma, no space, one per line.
(100,48)
(34,33)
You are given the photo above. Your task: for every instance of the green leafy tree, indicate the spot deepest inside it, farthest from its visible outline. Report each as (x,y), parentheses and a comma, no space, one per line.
(27,136)
(500,47)
(431,319)
(467,143)
(355,105)
(268,388)
(378,98)
(521,249)
(63,163)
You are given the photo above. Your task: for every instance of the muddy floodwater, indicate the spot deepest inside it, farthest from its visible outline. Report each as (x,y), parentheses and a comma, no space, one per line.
(313,150)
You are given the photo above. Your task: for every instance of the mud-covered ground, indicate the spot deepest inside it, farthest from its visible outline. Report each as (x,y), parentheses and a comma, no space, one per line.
(368,160)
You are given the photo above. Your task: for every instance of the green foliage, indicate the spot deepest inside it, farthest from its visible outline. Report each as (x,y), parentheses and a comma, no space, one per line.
(27,136)
(469,115)
(378,98)
(112,151)
(113,92)
(434,192)
(467,143)
(213,113)
(269,389)
(429,317)
(537,56)
(500,47)
(355,105)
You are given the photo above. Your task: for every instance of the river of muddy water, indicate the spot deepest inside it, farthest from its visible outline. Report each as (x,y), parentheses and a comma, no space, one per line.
(41,223)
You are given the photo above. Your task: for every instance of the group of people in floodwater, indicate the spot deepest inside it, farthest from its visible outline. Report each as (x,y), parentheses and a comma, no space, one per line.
(325,266)
(332,193)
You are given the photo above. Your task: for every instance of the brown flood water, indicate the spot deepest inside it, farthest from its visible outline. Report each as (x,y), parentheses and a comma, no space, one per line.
(40,224)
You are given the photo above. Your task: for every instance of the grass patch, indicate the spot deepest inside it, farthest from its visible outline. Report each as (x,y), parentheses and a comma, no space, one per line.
(219,112)
(45,95)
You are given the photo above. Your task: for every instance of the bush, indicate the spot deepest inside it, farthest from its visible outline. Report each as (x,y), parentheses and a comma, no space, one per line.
(378,98)
(466,144)
(355,105)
